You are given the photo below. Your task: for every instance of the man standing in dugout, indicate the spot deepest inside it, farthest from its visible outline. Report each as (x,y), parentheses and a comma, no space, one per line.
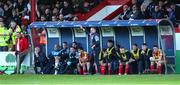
(94,44)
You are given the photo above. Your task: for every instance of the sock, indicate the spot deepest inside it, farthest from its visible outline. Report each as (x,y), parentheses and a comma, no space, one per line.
(152,67)
(55,72)
(127,69)
(159,68)
(102,70)
(109,70)
(96,70)
(120,69)
(79,71)
(56,64)
(84,71)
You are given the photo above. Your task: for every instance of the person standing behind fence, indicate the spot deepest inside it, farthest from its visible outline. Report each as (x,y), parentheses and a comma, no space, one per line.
(95,45)
(14,28)
(42,41)
(4,37)
(21,50)
(42,35)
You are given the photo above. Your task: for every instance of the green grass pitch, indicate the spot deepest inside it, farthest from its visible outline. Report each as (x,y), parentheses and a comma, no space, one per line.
(30,79)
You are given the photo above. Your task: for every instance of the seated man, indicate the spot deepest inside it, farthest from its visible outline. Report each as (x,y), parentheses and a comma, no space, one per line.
(124,57)
(156,59)
(64,55)
(83,62)
(56,54)
(146,53)
(64,52)
(103,60)
(39,60)
(75,46)
(135,60)
(72,60)
(125,15)
(111,55)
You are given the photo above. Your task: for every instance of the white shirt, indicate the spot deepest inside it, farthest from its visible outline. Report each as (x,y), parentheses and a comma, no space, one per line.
(18,48)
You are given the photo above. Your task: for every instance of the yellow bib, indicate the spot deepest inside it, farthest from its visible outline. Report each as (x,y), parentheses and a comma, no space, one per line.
(135,55)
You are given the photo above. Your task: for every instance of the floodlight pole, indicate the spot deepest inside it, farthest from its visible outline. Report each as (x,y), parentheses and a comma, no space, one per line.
(33,10)
(33,19)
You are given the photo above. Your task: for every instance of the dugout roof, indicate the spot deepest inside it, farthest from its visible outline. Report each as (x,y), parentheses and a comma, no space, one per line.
(64,24)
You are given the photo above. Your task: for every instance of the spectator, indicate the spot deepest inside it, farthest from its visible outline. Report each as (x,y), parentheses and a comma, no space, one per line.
(171,15)
(67,10)
(135,2)
(14,28)
(7,12)
(176,10)
(57,5)
(144,13)
(146,3)
(25,12)
(43,18)
(55,11)
(61,17)
(126,13)
(135,13)
(4,37)
(157,14)
(48,14)
(10,4)
(53,18)
(161,5)
(151,7)
(20,6)
(41,8)
(86,7)
(15,17)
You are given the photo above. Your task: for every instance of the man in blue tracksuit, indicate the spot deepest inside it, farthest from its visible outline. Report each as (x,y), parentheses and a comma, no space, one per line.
(94,44)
